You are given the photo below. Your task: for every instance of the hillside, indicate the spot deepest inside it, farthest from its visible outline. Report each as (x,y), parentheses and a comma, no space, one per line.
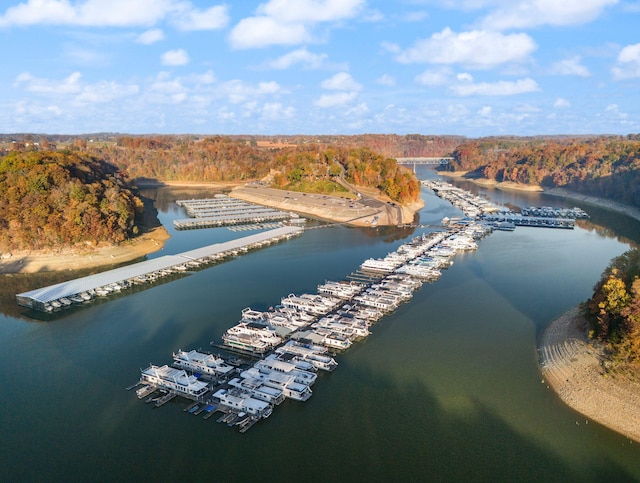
(605,166)
(63,199)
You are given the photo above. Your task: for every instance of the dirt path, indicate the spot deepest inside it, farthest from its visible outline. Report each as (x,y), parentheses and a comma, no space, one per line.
(570,364)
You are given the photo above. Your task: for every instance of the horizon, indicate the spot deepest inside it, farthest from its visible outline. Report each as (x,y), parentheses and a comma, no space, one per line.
(470,68)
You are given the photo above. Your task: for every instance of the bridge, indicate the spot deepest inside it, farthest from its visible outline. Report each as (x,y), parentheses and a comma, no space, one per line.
(433,161)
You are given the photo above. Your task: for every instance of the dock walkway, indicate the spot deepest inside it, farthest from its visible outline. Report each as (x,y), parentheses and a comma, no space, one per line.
(46,298)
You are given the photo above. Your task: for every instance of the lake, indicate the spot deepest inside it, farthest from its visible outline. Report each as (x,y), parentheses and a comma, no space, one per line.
(445,389)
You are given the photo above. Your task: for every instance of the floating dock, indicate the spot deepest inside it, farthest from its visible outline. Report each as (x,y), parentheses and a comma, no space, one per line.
(226,211)
(523,220)
(80,290)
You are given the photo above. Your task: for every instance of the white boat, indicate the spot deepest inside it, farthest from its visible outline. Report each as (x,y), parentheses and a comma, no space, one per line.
(290,388)
(342,290)
(298,362)
(316,355)
(243,401)
(309,305)
(383,303)
(202,363)
(300,376)
(174,379)
(423,272)
(350,327)
(259,390)
(378,265)
(251,336)
(333,340)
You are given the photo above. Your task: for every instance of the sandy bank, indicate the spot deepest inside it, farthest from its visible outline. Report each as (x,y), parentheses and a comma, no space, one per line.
(154,183)
(505,185)
(571,365)
(596,201)
(75,259)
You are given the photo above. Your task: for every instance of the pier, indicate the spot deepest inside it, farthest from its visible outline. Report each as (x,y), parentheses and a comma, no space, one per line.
(226,211)
(78,291)
(523,220)
(478,208)
(289,343)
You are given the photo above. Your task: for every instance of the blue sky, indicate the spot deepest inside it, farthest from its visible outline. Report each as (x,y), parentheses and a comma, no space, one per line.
(467,67)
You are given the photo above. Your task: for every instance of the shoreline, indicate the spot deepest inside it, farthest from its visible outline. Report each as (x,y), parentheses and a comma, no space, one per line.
(627,210)
(571,365)
(77,259)
(152,240)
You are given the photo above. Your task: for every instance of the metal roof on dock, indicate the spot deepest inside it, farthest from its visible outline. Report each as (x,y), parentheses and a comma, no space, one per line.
(79,285)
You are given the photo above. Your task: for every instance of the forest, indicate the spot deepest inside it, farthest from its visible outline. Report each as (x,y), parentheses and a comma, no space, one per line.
(52,199)
(614,312)
(221,158)
(81,193)
(604,166)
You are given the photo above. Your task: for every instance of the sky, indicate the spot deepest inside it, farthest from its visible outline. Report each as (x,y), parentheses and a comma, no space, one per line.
(461,67)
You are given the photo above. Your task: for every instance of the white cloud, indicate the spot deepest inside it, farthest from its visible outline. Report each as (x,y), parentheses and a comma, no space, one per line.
(561,103)
(335,99)
(571,66)
(113,13)
(342,81)
(485,111)
(475,49)
(150,36)
(432,78)
(275,111)
(289,22)
(213,18)
(457,110)
(175,57)
(237,91)
(299,56)
(464,77)
(76,91)
(613,110)
(289,11)
(501,88)
(386,80)
(69,85)
(357,111)
(346,86)
(628,63)
(105,91)
(520,14)
(264,31)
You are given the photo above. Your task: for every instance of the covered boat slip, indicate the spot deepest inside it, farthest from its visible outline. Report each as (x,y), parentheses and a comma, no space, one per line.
(224,210)
(40,299)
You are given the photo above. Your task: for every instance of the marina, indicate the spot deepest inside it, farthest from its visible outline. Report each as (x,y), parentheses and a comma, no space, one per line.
(477,208)
(291,341)
(287,344)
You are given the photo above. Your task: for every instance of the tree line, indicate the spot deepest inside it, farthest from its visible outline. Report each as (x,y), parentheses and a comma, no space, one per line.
(221,158)
(605,166)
